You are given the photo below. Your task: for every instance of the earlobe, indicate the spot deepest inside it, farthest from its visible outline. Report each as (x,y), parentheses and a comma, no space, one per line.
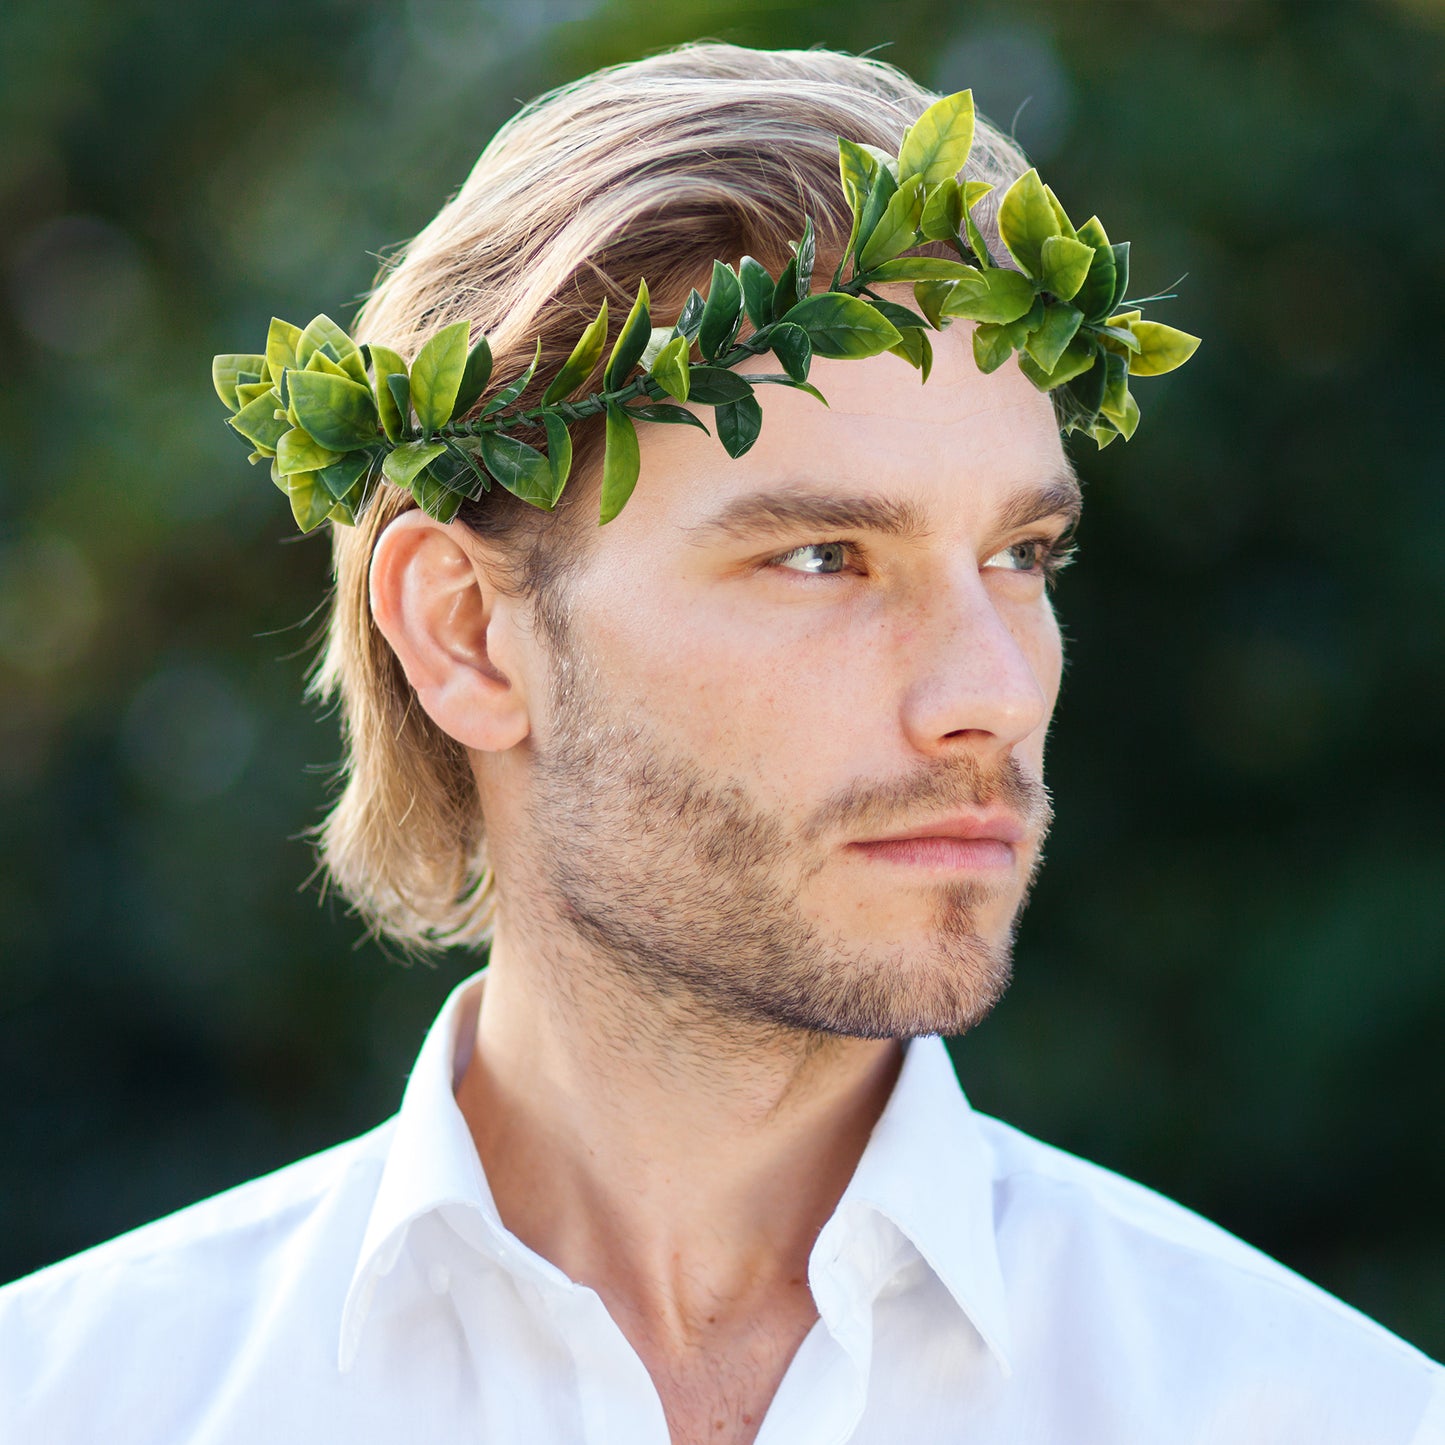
(435,602)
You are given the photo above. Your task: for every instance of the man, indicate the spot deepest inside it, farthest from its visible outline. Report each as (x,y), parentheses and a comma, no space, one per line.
(746,790)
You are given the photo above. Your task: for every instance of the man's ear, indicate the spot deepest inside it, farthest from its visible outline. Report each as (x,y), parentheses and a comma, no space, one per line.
(453,631)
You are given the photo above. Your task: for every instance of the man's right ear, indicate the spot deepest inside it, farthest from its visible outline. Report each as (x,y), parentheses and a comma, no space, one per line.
(454,632)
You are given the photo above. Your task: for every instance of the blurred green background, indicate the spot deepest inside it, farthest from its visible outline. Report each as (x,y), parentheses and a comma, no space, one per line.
(1231,984)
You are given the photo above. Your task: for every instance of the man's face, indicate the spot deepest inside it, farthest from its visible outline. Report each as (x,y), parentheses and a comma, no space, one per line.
(789,767)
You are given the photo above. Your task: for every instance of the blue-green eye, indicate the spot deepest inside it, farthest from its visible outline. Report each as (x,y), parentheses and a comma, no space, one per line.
(817,557)
(1041,556)
(1021,557)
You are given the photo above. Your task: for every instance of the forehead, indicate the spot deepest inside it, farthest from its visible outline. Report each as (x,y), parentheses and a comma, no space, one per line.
(953,450)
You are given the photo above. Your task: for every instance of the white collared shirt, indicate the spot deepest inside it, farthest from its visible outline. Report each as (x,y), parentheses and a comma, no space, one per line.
(973,1285)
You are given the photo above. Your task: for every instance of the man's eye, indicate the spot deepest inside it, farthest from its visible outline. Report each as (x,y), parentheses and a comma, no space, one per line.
(817,557)
(1040,555)
(1021,557)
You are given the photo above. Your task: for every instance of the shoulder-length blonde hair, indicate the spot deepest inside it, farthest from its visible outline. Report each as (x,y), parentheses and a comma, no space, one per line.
(651,169)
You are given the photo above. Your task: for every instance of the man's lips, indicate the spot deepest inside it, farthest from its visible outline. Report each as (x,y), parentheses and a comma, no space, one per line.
(970,841)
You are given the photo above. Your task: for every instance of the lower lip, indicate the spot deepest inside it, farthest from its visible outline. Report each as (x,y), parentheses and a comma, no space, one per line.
(974,855)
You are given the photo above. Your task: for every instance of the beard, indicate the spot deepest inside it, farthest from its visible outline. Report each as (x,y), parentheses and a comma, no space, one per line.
(677,878)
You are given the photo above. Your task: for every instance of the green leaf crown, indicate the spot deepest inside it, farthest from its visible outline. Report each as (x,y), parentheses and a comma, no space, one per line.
(334,418)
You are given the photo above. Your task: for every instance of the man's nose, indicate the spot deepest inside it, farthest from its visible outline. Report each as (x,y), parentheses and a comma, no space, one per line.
(975,665)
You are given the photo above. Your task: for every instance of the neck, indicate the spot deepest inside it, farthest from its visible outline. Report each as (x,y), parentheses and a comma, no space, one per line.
(681,1167)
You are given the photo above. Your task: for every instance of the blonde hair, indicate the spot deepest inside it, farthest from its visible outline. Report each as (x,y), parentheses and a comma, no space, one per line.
(652,168)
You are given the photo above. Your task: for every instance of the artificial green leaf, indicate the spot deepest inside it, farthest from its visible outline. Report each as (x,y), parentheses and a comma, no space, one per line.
(400,388)
(1065,265)
(1066,226)
(248,391)
(839,325)
(806,256)
(1026,220)
(657,338)
(885,187)
(321,363)
(258,423)
(311,503)
(914,347)
(713,385)
(323,331)
(559,453)
(1116,386)
(666,412)
(759,378)
(340,478)
(1085,392)
(476,373)
(937,144)
(942,217)
(856,169)
(738,424)
(631,342)
(227,368)
(991,347)
(900,316)
(1004,295)
(520,468)
(791,346)
(931,296)
(436,376)
(282,339)
(974,192)
(1092,233)
(1046,344)
(1161,348)
(344,512)
(758,288)
(897,227)
(514,388)
(1121,274)
(1128,422)
(722,313)
(621,461)
(582,362)
(670,369)
(435,498)
(402,463)
(385,364)
(976,242)
(785,293)
(1095,297)
(338,413)
(1078,357)
(298,452)
(469,476)
(1118,338)
(690,318)
(925,268)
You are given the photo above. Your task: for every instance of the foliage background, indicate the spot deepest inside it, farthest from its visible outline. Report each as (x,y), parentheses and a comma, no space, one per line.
(1230,983)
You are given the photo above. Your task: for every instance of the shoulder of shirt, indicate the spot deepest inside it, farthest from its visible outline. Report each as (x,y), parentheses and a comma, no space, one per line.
(1093,1196)
(217,1234)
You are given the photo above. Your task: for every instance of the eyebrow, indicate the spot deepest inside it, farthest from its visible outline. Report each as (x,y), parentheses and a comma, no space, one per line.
(788,509)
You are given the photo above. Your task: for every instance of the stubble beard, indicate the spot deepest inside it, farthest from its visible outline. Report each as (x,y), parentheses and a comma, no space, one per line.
(689,890)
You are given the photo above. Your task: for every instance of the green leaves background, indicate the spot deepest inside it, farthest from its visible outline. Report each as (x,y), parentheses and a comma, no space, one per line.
(1220,989)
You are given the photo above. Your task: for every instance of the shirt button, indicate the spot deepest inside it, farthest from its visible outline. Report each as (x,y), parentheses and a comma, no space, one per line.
(440,1278)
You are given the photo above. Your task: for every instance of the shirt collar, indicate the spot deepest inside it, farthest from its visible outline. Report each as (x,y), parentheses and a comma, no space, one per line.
(927,1169)
(431,1160)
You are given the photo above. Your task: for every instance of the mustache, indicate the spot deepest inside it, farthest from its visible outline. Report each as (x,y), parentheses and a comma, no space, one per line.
(943,785)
